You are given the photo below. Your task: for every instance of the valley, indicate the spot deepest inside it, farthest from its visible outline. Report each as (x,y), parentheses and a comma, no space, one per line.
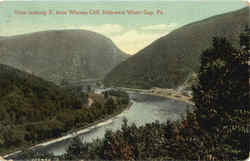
(73,94)
(164,109)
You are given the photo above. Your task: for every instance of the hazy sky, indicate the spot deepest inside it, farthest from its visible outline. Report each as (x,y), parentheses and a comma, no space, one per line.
(130,33)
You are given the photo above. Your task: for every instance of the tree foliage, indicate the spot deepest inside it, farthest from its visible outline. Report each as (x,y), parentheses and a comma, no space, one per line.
(222,97)
(33,110)
(217,129)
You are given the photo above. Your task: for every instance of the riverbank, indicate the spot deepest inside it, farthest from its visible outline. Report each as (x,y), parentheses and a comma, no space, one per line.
(76,132)
(183,96)
(145,109)
(165,93)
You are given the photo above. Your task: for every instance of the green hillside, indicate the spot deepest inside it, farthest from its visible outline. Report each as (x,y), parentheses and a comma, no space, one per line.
(217,128)
(26,100)
(168,61)
(58,55)
(33,110)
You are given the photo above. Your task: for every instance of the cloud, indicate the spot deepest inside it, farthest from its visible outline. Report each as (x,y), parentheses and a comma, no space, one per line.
(104,29)
(128,39)
(247,1)
(160,27)
(133,40)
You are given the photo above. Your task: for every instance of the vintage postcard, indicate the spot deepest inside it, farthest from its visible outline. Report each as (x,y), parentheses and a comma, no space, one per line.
(131,80)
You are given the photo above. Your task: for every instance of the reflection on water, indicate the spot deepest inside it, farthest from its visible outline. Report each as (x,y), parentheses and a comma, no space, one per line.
(145,109)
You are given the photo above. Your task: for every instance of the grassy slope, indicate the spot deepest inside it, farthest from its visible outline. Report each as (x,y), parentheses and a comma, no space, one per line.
(169,60)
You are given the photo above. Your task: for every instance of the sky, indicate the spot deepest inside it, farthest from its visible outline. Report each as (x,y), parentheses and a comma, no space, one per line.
(129,32)
(131,0)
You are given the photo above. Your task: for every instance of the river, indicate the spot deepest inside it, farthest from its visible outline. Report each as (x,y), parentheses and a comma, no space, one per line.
(145,109)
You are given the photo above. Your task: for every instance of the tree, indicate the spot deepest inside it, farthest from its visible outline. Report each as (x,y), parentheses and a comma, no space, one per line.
(221,98)
(106,94)
(64,82)
(244,39)
(110,105)
(74,149)
(89,88)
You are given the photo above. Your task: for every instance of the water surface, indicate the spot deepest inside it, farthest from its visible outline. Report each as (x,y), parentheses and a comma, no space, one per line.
(145,109)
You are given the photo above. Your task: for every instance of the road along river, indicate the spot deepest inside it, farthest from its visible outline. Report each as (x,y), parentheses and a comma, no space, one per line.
(145,109)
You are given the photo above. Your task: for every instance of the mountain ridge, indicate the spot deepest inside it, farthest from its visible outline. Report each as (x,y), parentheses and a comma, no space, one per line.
(168,61)
(57,55)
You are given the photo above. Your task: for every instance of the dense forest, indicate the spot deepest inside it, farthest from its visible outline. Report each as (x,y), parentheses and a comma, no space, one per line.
(217,129)
(33,110)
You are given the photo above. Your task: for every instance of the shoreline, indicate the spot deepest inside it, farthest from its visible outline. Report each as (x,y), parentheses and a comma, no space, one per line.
(162,92)
(74,133)
(170,97)
(108,119)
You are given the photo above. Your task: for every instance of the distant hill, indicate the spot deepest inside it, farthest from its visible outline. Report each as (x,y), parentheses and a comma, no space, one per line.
(168,61)
(69,55)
